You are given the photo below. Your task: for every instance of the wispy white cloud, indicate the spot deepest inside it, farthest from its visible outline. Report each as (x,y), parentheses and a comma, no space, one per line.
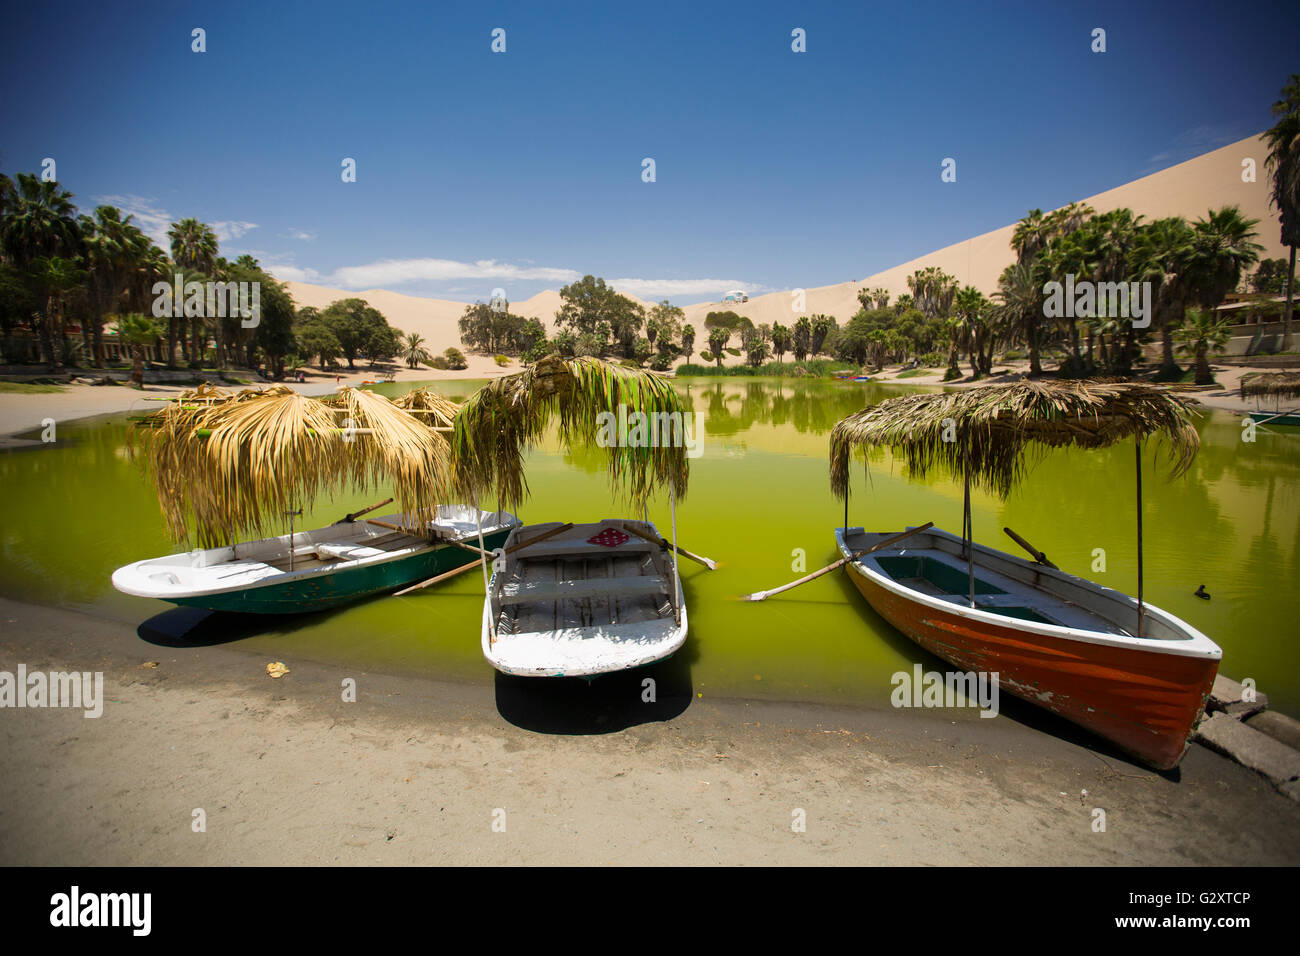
(227,229)
(394,272)
(672,288)
(154,220)
(399,271)
(298,234)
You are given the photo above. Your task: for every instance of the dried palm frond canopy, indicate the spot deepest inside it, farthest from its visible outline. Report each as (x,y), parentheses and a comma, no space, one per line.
(497,425)
(431,407)
(230,465)
(1279,384)
(989,428)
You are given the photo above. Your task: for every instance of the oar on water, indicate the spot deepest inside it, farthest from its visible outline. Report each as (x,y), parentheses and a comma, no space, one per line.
(665,543)
(465,567)
(1033,552)
(764,595)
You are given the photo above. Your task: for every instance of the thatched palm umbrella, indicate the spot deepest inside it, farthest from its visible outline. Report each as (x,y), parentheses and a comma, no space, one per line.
(984,433)
(497,425)
(229,465)
(1277,384)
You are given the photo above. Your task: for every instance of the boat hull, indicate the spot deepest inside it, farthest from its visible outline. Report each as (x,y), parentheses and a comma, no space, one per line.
(1145,702)
(322,591)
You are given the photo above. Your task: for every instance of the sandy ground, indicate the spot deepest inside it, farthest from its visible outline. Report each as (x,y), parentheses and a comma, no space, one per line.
(416,772)
(20,412)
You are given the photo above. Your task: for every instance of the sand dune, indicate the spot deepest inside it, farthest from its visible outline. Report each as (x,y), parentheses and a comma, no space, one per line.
(1188,189)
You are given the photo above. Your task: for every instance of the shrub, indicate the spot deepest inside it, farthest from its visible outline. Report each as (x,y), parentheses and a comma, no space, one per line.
(503,360)
(706,355)
(454,359)
(661,363)
(440,363)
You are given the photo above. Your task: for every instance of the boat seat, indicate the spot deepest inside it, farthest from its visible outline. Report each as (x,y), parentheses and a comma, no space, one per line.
(342,551)
(537,591)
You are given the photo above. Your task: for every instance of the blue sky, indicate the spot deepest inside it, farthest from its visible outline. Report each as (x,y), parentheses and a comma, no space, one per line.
(523,169)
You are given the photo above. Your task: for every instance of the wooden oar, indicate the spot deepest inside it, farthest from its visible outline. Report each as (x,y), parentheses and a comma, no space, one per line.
(349,518)
(1033,552)
(398,527)
(465,567)
(1264,421)
(764,595)
(665,543)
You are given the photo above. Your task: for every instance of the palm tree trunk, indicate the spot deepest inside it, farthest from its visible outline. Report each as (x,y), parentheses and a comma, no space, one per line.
(198,341)
(1031,335)
(173,324)
(1203,374)
(1290,296)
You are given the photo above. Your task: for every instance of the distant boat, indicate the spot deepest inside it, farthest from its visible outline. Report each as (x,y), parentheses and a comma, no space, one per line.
(317,569)
(1275,385)
(1275,418)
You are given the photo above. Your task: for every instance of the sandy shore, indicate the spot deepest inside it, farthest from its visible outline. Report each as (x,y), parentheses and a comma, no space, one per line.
(285,772)
(23,412)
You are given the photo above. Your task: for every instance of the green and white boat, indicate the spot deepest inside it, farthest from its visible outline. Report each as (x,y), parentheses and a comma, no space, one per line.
(318,569)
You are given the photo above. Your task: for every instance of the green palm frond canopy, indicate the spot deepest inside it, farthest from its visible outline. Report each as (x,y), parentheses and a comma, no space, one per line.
(225,465)
(1281,384)
(497,425)
(999,423)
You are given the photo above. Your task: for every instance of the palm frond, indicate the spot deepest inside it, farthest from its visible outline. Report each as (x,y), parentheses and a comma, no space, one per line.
(500,422)
(990,428)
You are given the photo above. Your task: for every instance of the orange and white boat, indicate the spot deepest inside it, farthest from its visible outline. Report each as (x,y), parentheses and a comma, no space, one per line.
(1054,639)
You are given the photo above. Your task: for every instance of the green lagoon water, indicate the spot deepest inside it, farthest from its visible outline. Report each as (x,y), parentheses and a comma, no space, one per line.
(759,495)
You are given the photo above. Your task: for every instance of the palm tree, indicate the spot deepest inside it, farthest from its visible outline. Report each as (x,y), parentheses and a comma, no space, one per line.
(971,328)
(1284,163)
(113,246)
(58,277)
(39,221)
(1202,331)
(413,350)
(1221,249)
(138,332)
(194,249)
(1020,297)
(1162,249)
(718,337)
